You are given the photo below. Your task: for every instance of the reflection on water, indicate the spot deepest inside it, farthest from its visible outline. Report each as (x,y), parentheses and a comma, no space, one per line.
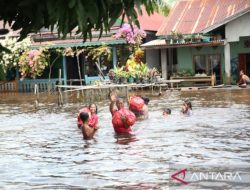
(44,149)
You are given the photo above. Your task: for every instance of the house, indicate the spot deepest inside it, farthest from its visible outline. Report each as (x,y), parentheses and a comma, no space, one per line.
(205,36)
(89,72)
(149,24)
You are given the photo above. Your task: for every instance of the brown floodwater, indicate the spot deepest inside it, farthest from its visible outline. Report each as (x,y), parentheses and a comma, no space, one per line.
(43,148)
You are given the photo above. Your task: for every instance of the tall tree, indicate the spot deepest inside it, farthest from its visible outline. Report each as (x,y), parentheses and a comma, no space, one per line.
(66,15)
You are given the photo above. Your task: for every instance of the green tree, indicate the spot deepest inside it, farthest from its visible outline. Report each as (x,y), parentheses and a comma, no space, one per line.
(65,15)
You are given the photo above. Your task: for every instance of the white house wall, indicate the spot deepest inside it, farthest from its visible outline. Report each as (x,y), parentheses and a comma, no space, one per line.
(238,28)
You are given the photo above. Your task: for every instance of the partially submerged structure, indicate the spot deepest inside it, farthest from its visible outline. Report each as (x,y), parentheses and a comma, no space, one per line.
(68,65)
(202,37)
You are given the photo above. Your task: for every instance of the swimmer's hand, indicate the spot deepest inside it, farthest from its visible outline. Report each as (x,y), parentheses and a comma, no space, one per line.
(123,118)
(113,97)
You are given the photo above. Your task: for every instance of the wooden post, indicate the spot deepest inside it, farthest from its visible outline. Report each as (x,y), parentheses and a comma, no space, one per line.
(126,88)
(64,70)
(36,92)
(159,89)
(213,79)
(60,97)
(114,54)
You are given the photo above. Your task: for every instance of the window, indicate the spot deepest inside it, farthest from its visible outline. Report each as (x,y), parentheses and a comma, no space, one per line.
(208,64)
(200,65)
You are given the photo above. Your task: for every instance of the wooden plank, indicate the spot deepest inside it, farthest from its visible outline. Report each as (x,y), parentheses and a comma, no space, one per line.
(210,79)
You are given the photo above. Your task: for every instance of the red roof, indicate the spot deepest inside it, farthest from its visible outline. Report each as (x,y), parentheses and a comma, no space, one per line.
(193,16)
(150,23)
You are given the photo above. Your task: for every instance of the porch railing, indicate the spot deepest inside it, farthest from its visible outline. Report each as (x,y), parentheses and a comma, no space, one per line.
(91,79)
(28,85)
(44,85)
(8,86)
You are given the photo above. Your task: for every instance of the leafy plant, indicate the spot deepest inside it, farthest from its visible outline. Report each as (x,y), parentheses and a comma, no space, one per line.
(153,72)
(118,72)
(10,59)
(96,53)
(132,73)
(32,63)
(124,74)
(66,16)
(144,70)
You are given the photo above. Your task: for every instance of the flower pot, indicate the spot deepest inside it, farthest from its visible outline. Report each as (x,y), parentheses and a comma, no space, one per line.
(153,79)
(116,80)
(206,39)
(144,80)
(130,80)
(123,80)
(137,80)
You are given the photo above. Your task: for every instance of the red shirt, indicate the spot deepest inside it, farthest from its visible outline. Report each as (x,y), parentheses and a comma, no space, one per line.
(117,122)
(93,120)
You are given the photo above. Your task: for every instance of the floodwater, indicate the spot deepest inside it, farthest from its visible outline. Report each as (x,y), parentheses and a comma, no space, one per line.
(43,149)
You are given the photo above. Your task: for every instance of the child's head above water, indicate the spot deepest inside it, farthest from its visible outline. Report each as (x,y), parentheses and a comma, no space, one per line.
(166,111)
(84,116)
(188,103)
(146,99)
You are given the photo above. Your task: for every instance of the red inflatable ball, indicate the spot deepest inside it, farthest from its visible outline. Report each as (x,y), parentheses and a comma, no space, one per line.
(136,104)
(79,121)
(118,123)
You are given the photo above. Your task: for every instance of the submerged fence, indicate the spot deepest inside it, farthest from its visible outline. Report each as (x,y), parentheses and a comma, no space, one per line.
(28,85)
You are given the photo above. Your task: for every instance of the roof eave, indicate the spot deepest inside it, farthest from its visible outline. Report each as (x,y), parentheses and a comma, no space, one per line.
(162,45)
(225,21)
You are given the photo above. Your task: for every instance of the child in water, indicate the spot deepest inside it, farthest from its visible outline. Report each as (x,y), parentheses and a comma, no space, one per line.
(93,120)
(186,109)
(142,112)
(166,112)
(87,131)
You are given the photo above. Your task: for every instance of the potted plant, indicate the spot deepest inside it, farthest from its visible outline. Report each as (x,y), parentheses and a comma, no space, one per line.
(124,77)
(174,37)
(198,37)
(131,75)
(180,37)
(188,38)
(118,74)
(206,38)
(144,73)
(152,73)
(111,74)
(137,73)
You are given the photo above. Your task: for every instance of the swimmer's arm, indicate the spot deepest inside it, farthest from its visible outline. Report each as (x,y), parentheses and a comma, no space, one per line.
(112,107)
(97,127)
(113,98)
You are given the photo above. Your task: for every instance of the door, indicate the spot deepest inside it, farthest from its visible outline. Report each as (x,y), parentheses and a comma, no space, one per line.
(244,63)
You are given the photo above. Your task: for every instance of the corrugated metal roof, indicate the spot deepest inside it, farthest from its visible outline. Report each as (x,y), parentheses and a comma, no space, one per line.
(193,16)
(226,20)
(79,43)
(161,43)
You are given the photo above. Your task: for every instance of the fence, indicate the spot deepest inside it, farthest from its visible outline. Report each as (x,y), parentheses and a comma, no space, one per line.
(44,85)
(28,85)
(8,86)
